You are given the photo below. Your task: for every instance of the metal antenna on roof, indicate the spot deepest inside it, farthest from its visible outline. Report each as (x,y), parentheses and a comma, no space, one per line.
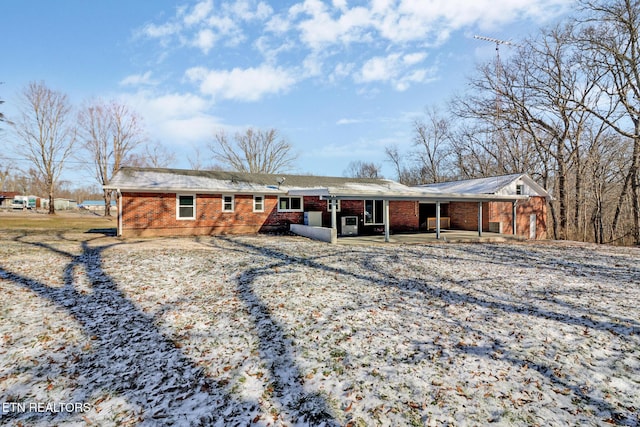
(498,42)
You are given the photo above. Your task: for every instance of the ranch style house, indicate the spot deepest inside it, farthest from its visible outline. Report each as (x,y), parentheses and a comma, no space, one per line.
(176,202)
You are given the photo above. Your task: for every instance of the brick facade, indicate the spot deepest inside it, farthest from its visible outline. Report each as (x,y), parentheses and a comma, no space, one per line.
(464,216)
(154,214)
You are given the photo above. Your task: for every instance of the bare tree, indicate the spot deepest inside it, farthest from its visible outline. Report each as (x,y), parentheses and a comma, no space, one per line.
(46,134)
(432,136)
(110,132)
(153,155)
(610,41)
(360,169)
(195,162)
(254,151)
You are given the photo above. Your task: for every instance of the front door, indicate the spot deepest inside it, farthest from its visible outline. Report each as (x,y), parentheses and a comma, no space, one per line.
(532,227)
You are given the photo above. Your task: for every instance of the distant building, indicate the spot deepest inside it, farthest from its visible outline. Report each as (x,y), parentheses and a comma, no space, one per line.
(95,205)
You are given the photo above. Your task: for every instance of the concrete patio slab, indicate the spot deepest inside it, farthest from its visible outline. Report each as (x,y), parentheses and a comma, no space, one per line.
(446,236)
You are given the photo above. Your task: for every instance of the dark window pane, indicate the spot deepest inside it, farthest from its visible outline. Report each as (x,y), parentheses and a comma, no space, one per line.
(186,212)
(295,203)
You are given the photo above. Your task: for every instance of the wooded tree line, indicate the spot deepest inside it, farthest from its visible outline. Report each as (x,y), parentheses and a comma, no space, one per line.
(563,107)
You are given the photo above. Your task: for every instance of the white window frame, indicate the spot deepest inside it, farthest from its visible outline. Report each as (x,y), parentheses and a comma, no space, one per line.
(290,199)
(520,189)
(178,206)
(224,203)
(380,214)
(255,203)
(329,205)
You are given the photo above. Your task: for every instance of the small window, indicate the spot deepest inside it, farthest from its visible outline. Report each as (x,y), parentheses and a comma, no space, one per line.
(520,189)
(373,212)
(227,203)
(258,203)
(290,204)
(186,207)
(331,202)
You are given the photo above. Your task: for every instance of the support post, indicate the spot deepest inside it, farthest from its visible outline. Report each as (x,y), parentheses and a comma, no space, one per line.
(514,217)
(438,220)
(479,219)
(334,217)
(386,220)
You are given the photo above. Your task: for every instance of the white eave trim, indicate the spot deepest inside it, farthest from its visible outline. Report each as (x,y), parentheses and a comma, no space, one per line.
(196,190)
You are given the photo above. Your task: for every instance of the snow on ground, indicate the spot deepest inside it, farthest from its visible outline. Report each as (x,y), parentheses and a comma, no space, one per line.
(279,331)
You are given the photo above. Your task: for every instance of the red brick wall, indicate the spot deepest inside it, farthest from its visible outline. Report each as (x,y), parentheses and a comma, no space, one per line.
(464,216)
(154,214)
(404,216)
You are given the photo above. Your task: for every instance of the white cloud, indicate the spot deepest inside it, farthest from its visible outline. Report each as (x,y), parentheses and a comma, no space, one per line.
(395,69)
(161,31)
(205,40)
(247,10)
(138,80)
(174,118)
(250,84)
(199,13)
(379,68)
(414,58)
(349,121)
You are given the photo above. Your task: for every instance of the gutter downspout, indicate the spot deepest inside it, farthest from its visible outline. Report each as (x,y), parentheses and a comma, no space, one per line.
(386,220)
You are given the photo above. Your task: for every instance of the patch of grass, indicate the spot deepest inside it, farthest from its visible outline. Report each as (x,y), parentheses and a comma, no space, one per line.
(61,222)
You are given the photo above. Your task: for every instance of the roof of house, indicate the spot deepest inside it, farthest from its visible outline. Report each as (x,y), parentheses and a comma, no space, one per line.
(154,179)
(182,180)
(495,185)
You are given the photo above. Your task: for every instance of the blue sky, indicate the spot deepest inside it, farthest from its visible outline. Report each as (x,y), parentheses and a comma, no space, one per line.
(339,79)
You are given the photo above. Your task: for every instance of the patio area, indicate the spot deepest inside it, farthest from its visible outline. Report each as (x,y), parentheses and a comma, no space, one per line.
(446,236)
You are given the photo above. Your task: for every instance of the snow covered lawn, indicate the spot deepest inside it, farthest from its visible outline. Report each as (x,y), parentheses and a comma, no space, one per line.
(261,330)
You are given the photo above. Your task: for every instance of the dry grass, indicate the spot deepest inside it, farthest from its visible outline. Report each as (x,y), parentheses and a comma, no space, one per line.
(61,221)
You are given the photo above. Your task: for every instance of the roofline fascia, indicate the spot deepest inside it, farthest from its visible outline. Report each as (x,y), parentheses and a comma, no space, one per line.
(432,198)
(191,190)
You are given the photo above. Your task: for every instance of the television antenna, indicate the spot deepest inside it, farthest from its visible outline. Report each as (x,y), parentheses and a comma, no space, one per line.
(498,42)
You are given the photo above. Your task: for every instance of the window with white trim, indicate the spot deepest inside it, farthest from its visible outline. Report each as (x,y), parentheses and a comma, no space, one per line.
(289,204)
(258,203)
(520,189)
(228,203)
(330,202)
(373,212)
(185,206)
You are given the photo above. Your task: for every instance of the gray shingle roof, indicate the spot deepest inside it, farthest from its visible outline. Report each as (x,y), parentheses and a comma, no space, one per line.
(155,179)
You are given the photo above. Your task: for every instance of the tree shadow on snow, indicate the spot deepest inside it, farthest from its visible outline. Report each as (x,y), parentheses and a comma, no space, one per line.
(129,357)
(434,287)
(295,403)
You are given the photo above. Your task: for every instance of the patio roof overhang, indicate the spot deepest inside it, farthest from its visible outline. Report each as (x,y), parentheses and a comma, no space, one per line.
(420,196)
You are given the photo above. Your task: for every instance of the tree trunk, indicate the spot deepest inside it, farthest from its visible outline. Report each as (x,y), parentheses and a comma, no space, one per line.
(107,202)
(635,188)
(52,204)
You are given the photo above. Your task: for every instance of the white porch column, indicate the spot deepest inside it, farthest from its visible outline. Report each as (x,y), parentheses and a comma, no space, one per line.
(119,200)
(514,217)
(479,219)
(334,217)
(386,220)
(437,220)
